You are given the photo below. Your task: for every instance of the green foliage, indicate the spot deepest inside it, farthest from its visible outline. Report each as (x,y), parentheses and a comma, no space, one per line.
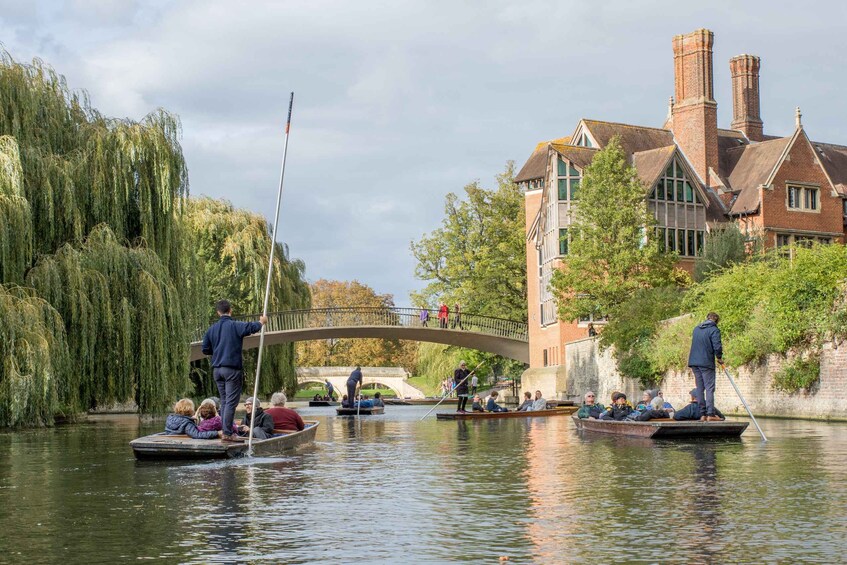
(33,360)
(632,325)
(436,362)
(725,246)
(15,215)
(609,257)
(798,374)
(477,258)
(227,249)
(770,306)
(123,318)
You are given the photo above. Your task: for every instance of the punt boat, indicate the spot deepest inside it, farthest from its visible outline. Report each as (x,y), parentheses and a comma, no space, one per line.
(313,403)
(363,412)
(663,428)
(163,446)
(497,415)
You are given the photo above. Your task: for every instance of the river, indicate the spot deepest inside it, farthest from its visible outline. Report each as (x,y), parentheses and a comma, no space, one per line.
(392,489)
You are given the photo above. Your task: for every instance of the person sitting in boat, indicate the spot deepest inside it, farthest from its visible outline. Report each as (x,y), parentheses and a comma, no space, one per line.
(284,418)
(540,403)
(477,404)
(263,428)
(378,400)
(646,398)
(345,402)
(590,408)
(182,423)
(316,397)
(693,410)
(363,403)
(653,411)
(492,405)
(619,410)
(527,402)
(666,406)
(208,419)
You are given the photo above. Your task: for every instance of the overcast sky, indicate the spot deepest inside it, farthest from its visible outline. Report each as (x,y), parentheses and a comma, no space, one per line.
(400,102)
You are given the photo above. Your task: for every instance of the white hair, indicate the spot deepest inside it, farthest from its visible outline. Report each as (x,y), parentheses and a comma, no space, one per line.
(591,392)
(278,399)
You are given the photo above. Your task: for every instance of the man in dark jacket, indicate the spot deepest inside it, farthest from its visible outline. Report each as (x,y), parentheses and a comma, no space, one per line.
(354,381)
(590,407)
(693,410)
(705,347)
(264,425)
(224,341)
(460,384)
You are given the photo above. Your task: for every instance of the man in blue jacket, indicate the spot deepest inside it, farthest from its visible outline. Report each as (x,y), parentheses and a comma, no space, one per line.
(224,341)
(705,347)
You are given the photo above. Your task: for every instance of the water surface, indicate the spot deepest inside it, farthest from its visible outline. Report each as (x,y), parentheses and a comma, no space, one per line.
(395,490)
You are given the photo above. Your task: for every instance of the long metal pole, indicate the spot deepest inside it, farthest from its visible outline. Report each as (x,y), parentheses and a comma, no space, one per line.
(744,402)
(455,386)
(270,273)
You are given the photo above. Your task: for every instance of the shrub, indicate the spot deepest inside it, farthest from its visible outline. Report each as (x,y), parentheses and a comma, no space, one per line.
(798,374)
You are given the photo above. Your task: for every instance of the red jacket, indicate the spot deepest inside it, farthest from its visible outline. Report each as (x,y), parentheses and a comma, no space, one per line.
(443,312)
(285,418)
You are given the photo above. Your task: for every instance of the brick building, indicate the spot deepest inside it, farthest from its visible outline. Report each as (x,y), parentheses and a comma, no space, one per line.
(695,175)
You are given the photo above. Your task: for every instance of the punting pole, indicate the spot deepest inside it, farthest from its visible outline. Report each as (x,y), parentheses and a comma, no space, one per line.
(270,273)
(744,402)
(455,386)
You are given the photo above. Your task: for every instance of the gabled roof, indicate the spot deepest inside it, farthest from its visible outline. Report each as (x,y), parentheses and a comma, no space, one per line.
(751,166)
(650,164)
(579,156)
(834,160)
(634,139)
(536,166)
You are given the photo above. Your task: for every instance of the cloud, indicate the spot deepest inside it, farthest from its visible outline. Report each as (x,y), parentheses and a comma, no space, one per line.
(399,103)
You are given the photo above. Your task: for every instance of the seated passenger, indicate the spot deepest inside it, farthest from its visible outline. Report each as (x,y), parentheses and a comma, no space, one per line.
(207,417)
(655,410)
(378,400)
(619,410)
(284,418)
(363,403)
(263,427)
(345,402)
(182,423)
(477,404)
(667,406)
(693,411)
(590,408)
(492,405)
(316,397)
(540,403)
(527,402)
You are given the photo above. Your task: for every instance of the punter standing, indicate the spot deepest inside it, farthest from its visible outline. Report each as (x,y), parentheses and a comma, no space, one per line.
(460,382)
(355,379)
(224,341)
(705,347)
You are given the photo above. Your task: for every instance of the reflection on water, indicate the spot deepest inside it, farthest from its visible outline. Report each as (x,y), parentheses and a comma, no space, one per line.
(393,489)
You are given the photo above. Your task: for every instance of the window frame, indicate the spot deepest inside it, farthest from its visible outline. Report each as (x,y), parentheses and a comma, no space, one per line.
(807,197)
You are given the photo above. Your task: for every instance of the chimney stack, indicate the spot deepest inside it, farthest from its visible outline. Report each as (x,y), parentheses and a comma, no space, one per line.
(695,112)
(745,96)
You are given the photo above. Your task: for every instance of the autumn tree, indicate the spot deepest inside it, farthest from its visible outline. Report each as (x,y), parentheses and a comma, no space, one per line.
(339,352)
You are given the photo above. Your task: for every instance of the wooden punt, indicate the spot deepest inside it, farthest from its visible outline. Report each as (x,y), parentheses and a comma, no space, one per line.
(376,410)
(162,446)
(511,414)
(663,428)
(313,403)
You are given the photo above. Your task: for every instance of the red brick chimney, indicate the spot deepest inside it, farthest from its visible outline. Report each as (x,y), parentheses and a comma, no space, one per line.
(745,96)
(695,112)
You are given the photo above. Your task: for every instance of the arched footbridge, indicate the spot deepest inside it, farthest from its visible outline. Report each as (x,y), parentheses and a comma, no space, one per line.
(484,333)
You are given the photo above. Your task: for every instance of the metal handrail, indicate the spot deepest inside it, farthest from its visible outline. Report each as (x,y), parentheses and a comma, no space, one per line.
(353,316)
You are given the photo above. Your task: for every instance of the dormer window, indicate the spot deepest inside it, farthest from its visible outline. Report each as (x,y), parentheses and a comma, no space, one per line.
(584,141)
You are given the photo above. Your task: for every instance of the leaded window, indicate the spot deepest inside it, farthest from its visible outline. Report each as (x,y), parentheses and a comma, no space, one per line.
(569,179)
(675,186)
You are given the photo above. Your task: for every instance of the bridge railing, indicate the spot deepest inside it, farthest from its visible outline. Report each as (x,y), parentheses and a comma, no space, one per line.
(386,316)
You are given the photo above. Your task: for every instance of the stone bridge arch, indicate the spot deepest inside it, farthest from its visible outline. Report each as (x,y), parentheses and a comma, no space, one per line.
(394,378)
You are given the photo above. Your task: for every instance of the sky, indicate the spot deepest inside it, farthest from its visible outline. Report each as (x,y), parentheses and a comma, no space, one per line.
(398,103)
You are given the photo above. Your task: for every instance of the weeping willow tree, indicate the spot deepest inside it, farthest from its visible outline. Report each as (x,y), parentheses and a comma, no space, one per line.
(33,360)
(80,169)
(124,315)
(229,249)
(15,215)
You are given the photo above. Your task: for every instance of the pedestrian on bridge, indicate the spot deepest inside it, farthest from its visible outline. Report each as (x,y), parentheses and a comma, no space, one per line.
(354,381)
(443,315)
(224,342)
(424,316)
(457,317)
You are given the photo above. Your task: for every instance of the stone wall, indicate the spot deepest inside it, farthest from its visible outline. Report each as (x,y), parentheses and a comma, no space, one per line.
(587,368)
